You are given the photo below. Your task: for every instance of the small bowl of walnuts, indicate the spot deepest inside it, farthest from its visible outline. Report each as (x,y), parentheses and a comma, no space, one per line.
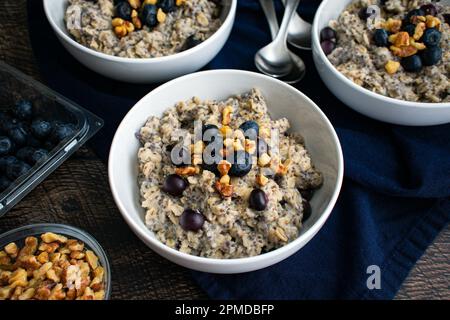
(52,262)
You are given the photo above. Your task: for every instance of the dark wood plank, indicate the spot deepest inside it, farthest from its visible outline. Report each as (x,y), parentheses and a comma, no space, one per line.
(78,194)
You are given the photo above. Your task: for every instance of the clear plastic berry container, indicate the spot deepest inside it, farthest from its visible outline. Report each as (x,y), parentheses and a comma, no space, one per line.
(51,106)
(18,236)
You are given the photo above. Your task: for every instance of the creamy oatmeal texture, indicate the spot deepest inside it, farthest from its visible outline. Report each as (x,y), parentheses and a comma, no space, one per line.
(231,228)
(90,24)
(359,59)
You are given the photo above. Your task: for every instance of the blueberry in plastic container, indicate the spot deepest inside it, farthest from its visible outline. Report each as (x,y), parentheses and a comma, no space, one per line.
(5,162)
(41,129)
(62,131)
(6,146)
(39,155)
(23,110)
(17,169)
(18,134)
(25,154)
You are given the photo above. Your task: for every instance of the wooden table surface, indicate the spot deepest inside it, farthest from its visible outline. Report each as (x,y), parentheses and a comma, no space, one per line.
(78,194)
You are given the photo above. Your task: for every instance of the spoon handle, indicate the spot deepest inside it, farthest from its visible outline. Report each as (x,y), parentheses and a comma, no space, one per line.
(290,8)
(269,11)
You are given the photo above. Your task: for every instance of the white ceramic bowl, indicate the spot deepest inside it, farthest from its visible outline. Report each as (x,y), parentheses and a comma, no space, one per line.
(362,100)
(142,70)
(283,101)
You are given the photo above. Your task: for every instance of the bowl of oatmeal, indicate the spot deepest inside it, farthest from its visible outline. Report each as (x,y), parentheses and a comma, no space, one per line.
(142,41)
(388,60)
(225,179)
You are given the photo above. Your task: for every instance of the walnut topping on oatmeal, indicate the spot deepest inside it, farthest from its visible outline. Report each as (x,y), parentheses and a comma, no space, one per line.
(66,272)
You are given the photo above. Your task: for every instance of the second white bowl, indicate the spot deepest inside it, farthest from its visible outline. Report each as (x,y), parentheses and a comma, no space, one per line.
(142,70)
(283,101)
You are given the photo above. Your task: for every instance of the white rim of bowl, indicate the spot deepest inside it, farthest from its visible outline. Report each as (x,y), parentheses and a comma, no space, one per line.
(145,233)
(316,42)
(228,20)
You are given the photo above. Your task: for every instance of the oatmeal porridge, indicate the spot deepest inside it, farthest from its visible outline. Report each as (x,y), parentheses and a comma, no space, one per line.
(397,48)
(142,28)
(249,196)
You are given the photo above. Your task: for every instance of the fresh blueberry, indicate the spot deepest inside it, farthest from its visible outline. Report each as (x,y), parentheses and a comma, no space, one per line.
(148,15)
(429,9)
(327,33)
(174,185)
(48,145)
(39,155)
(62,131)
(250,129)
(366,13)
(41,129)
(431,56)
(5,162)
(167,5)
(262,147)
(242,164)
(123,10)
(6,122)
(190,42)
(328,46)
(306,210)
(6,146)
(33,142)
(381,38)
(19,135)
(410,28)
(17,169)
(431,37)
(258,200)
(412,63)
(4,183)
(413,13)
(210,133)
(210,160)
(191,220)
(180,155)
(23,110)
(25,154)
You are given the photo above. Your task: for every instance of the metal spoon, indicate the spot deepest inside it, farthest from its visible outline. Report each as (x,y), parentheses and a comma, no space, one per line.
(299,34)
(276,59)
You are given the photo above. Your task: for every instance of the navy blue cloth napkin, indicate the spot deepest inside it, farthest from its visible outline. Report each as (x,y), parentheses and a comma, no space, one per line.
(395,197)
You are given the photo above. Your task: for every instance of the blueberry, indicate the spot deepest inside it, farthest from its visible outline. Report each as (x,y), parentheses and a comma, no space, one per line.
(210,133)
(328,46)
(431,37)
(413,13)
(410,28)
(306,210)
(148,15)
(366,13)
(210,160)
(180,155)
(48,145)
(123,10)
(41,129)
(17,169)
(33,142)
(23,110)
(39,155)
(262,147)
(250,129)
(307,194)
(327,33)
(6,146)
(6,162)
(191,220)
(429,9)
(174,185)
(167,5)
(62,131)
(25,154)
(4,183)
(412,63)
(242,164)
(381,38)
(6,122)
(190,42)
(431,56)
(18,135)
(258,200)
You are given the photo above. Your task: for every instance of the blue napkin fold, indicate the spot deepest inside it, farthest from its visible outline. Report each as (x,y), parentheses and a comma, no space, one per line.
(396,193)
